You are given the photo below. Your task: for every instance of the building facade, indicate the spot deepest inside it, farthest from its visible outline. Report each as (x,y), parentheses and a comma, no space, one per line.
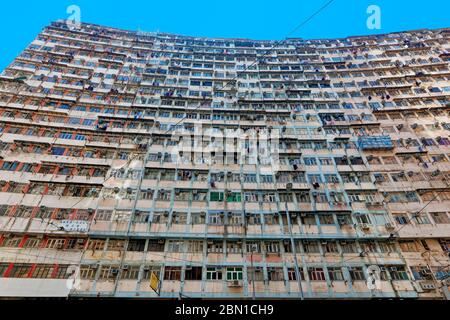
(225,168)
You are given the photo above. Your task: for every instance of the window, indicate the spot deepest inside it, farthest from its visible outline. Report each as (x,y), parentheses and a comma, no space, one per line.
(160,217)
(411,196)
(379,219)
(266,179)
(344,219)
(43,272)
(398,273)
(401,218)
(194,246)
(164,195)
(13,241)
(445,245)
(310,161)
(214,273)
(255,274)
(175,246)
(368,246)
(386,246)
(215,247)
(335,274)
(148,270)
(330,247)
(421,273)
(156,245)
(357,273)
(215,218)
(292,275)
(362,218)
(136,245)
(250,197)
(252,247)
(326,219)
(409,246)
(88,272)
(250,178)
(275,274)
(55,243)
(272,247)
(422,219)
(116,245)
(268,197)
(234,197)
(179,218)
(349,247)
(216,196)
(234,273)
(172,273)
(270,219)
(58,151)
(440,217)
(255,218)
(193,273)
(109,272)
(316,274)
(65,135)
(311,246)
(198,218)
(130,273)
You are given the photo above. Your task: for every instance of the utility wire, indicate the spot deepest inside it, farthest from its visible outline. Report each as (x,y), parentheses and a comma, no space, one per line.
(171,258)
(417,214)
(263,56)
(245,69)
(237,73)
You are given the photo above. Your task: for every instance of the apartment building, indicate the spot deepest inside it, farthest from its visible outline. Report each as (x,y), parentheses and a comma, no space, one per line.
(225,168)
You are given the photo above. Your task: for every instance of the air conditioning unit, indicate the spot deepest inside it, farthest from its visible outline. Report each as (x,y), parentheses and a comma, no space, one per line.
(426,272)
(364,226)
(235,284)
(426,286)
(389,226)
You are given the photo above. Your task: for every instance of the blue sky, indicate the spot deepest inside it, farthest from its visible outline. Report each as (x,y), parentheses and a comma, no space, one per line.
(22,20)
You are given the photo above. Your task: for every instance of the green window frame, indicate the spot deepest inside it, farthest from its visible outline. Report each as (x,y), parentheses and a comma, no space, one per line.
(234,197)
(216,196)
